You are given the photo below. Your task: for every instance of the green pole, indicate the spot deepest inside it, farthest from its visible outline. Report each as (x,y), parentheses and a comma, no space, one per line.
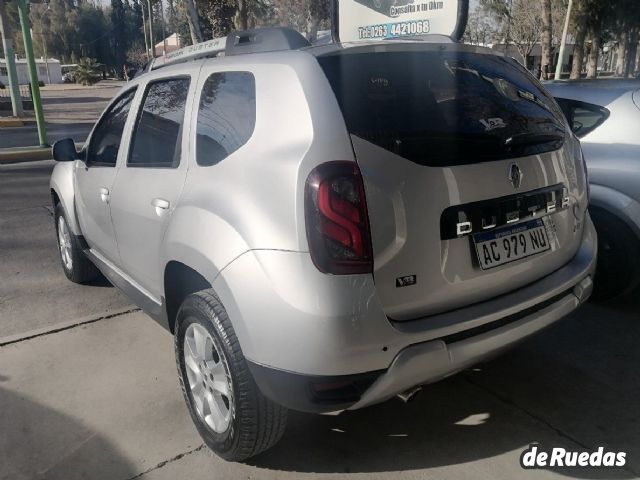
(7,45)
(33,73)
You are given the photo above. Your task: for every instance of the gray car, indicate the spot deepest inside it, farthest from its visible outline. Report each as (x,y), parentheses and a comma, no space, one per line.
(605,115)
(324,228)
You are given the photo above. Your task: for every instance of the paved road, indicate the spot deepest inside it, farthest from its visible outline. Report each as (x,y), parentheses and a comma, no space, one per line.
(34,293)
(101,400)
(69,113)
(27,136)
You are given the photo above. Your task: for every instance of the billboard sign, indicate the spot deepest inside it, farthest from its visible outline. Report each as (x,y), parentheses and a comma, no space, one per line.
(362,20)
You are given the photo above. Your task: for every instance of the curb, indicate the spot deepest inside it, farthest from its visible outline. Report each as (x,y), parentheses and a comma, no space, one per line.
(11,122)
(9,156)
(24,154)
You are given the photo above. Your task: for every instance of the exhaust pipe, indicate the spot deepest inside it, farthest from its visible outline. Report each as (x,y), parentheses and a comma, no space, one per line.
(409,395)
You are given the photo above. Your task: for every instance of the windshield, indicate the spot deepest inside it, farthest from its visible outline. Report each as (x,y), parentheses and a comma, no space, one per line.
(444,108)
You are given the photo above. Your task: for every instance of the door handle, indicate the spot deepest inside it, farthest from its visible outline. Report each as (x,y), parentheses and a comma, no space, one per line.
(104,194)
(160,205)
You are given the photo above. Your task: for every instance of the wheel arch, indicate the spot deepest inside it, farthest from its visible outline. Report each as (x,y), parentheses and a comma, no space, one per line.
(180,281)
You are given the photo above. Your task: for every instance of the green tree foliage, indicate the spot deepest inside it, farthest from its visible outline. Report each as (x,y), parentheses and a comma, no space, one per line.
(594,23)
(112,32)
(482,28)
(86,73)
(119,40)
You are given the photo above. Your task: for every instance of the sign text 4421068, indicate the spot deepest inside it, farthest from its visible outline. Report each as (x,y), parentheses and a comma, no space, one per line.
(391,30)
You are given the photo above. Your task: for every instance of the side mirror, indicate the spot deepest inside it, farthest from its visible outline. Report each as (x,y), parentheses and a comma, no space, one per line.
(65,151)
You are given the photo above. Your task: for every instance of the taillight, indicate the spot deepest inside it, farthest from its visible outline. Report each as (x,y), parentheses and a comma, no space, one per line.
(337,221)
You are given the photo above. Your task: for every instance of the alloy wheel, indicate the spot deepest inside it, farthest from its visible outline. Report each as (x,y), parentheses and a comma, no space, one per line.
(209,379)
(64,241)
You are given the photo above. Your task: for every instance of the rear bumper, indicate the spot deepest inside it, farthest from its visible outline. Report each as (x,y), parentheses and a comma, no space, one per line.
(431,361)
(440,347)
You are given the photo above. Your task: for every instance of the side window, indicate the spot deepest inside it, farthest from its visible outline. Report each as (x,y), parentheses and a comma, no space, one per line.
(583,117)
(157,136)
(227,116)
(105,141)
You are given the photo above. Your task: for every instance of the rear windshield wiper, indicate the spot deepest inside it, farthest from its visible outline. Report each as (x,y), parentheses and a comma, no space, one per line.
(524,139)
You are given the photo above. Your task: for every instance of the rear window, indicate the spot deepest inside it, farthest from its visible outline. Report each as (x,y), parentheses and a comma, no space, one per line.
(444,108)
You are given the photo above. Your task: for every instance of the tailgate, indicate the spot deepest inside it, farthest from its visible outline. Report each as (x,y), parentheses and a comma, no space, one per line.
(452,144)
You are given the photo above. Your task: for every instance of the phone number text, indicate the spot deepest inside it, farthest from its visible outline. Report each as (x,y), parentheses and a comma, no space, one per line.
(390,30)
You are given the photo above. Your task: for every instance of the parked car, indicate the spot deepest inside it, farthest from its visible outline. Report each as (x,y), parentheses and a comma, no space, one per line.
(325,228)
(68,77)
(605,115)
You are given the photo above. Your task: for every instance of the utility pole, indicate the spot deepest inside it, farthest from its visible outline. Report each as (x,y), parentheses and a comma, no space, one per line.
(164,32)
(33,73)
(7,46)
(144,31)
(153,45)
(563,43)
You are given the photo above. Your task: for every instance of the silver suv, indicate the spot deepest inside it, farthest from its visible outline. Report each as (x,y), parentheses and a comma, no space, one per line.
(324,228)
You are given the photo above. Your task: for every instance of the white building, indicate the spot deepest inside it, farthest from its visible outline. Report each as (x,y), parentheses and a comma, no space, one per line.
(173,43)
(48,72)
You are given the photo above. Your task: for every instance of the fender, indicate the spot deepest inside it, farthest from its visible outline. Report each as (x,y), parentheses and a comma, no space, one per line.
(618,204)
(62,183)
(203,242)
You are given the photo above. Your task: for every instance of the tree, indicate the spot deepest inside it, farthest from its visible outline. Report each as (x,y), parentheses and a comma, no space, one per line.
(137,56)
(193,21)
(580,35)
(305,16)
(118,38)
(86,73)
(481,29)
(220,14)
(526,26)
(546,38)
(318,12)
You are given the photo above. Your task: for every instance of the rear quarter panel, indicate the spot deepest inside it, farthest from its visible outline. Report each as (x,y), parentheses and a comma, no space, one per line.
(254,198)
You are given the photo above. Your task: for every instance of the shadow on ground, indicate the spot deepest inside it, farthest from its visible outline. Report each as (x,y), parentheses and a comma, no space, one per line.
(47,444)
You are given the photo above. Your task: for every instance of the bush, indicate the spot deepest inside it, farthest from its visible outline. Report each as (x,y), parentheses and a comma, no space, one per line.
(86,73)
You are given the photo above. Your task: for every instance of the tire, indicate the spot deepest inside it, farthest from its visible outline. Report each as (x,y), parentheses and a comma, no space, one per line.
(77,267)
(618,270)
(254,423)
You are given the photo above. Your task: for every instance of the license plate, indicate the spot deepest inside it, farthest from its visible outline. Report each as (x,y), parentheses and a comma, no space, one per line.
(511,243)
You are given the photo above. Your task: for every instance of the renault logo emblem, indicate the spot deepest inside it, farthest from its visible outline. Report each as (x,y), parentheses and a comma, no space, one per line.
(515,175)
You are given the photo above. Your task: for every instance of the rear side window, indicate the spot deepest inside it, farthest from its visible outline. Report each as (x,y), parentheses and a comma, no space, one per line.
(444,108)
(157,137)
(583,117)
(105,141)
(226,117)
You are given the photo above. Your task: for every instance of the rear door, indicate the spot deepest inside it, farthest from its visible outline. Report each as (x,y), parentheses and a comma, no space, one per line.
(459,151)
(148,186)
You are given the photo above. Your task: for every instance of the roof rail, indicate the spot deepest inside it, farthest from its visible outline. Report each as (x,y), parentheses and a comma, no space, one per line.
(210,48)
(258,40)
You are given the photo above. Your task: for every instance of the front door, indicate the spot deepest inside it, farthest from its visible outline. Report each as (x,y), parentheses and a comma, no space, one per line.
(147,188)
(95,176)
